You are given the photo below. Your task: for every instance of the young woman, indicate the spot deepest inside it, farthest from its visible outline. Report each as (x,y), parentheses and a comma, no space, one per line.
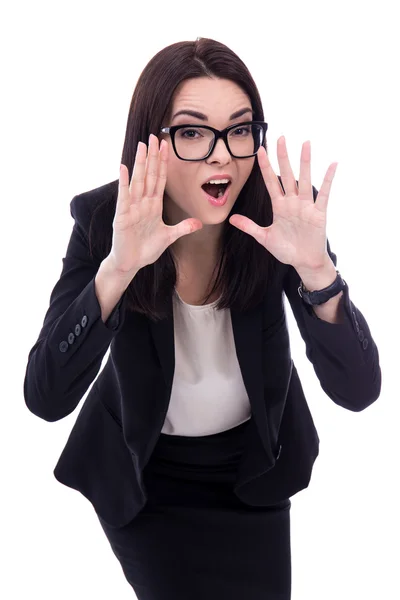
(196,433)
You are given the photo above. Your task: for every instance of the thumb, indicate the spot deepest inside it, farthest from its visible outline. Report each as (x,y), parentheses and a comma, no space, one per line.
(185,227)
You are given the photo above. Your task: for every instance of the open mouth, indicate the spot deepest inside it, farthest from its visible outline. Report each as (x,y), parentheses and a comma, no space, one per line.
(217,190)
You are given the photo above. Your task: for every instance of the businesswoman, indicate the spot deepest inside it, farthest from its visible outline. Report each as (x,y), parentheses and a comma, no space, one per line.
(196,433)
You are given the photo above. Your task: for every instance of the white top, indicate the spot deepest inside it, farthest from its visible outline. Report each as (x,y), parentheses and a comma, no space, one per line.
(208,394)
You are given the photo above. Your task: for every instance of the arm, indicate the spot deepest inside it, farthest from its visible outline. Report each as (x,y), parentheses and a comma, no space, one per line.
(338,342)
(73,340)
(109,288)
(332,310)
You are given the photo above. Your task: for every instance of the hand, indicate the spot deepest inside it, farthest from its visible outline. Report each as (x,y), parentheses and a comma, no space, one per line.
(297,235)
(140,235)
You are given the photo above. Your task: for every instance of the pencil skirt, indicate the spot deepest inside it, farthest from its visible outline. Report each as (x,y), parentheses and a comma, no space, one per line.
(194,538)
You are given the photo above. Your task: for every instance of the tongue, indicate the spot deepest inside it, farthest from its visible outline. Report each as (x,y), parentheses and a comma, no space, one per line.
(213,189)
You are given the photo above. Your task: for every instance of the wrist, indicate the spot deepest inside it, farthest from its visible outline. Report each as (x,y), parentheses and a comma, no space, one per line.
(318,279)
(112,271)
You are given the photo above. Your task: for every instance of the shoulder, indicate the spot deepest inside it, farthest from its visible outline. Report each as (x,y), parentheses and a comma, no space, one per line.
(83,205)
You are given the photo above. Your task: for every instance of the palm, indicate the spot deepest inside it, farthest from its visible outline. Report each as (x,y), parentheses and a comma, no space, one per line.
(293,221)
(297,235)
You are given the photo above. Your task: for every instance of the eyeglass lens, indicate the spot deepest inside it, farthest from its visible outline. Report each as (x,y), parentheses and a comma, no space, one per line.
(195,142)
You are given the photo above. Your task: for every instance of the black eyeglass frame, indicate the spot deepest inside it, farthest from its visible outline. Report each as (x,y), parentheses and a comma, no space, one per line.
(217,134)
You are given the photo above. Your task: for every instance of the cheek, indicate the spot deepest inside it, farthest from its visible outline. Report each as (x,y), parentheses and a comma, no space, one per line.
(179,180)
(251,165)
(172,176)
(245,172)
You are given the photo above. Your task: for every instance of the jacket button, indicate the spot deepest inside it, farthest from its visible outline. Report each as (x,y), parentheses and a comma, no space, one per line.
(71,338)
(77,329)
(365,343)
(361,335)
(279,451)
(63,347)
(84,320)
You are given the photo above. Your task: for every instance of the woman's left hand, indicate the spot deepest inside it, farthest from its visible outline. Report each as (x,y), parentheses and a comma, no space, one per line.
(297,235)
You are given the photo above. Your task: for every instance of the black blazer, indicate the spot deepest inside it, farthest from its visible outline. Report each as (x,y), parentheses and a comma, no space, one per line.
(122,416)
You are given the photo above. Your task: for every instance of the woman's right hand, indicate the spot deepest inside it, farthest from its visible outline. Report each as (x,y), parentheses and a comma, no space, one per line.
(140,235)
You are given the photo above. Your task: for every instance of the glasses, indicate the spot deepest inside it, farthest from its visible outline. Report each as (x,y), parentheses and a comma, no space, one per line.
(194,142)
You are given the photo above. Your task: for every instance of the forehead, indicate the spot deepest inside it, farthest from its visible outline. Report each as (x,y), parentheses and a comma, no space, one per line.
(216,98)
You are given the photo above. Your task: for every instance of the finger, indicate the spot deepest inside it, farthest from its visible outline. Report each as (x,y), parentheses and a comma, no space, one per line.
(286,172)
(162,173)
(123,199)
(321,201)
(305,187)
(248,226)
(151,167)
(137,182)
(270,179)
(183,228)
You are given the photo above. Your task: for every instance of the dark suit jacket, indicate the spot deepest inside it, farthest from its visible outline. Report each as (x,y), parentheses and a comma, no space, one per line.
(122,416)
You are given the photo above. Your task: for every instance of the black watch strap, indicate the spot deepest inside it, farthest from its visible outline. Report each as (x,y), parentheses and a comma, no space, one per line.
(320,296)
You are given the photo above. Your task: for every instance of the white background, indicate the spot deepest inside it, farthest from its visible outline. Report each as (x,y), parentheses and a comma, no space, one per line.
(327,72)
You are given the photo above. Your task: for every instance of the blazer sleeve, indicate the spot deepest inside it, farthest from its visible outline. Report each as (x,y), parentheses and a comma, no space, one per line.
(73,340)
(344,355)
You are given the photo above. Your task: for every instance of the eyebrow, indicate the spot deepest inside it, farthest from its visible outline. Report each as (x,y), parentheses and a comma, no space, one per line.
(199,115)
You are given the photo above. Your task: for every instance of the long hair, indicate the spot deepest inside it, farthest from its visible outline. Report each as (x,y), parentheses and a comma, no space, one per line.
(245,269)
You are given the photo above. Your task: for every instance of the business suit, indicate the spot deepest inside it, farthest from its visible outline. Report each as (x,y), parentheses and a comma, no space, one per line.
(122,416)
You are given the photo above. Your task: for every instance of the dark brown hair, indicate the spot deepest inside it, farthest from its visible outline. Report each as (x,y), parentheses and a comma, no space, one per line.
(245,269)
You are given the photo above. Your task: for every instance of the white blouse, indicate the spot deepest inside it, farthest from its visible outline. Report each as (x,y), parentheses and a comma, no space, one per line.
(208,394)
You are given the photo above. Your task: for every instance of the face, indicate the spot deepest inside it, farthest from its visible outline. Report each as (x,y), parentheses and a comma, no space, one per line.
(217,99)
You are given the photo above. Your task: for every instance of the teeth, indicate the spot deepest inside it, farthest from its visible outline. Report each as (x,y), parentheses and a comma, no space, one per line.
(218,181)
(220,194)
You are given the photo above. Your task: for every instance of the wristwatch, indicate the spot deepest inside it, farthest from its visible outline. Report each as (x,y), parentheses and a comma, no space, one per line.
(320,296)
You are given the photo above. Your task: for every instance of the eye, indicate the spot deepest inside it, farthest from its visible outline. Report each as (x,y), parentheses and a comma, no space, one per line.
(182,133)
(245,130)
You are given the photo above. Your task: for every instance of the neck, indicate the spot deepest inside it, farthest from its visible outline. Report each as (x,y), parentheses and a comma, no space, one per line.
(202,247)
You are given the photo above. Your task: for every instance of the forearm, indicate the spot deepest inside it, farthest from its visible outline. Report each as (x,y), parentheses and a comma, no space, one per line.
(109,287)
(332,310)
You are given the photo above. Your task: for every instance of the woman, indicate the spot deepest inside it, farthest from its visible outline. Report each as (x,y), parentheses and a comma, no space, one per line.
(187,443)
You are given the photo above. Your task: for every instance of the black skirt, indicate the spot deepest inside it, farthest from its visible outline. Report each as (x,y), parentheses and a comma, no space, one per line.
(195,539)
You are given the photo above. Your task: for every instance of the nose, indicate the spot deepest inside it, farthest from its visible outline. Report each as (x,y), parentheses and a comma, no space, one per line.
(220,153)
